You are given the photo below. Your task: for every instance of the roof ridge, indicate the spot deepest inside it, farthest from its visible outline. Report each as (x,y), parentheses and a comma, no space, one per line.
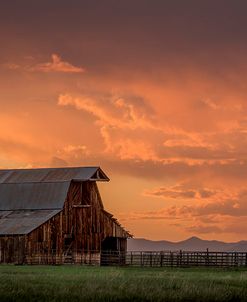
(46,168)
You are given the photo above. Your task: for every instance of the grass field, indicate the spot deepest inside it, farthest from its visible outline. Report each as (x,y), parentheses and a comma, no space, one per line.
(77,283)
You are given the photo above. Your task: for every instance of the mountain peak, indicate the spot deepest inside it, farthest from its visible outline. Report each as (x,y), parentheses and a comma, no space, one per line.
(194,238)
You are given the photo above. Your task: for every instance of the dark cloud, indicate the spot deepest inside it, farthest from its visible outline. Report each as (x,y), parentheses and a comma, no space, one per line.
(172,193)
(181,192)
(128,32)
(205,193)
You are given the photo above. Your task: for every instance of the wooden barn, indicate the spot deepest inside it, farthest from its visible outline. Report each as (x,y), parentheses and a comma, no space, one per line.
(56,215)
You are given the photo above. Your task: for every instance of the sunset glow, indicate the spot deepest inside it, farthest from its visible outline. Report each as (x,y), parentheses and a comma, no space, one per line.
(153,94)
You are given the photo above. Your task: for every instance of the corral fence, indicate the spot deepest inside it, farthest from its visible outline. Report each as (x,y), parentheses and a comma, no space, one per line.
(186,259)
(137,259)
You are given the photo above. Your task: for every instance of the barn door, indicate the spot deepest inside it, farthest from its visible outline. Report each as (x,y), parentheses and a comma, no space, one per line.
(110,252)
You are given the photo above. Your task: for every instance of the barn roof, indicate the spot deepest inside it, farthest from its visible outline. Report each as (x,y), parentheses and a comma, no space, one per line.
(30,197)
(23,222)
(52,175)
(33,196)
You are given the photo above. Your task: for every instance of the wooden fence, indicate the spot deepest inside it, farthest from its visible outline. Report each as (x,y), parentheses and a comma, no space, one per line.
(176,259)
(139,259)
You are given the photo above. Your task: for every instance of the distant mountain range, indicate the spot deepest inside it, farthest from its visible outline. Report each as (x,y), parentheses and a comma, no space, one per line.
(191,244)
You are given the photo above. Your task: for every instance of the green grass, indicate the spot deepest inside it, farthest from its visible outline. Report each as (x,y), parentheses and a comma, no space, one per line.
(78,283)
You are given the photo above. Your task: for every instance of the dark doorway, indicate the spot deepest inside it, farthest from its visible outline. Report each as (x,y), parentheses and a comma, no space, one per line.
(111,253)
(109,244)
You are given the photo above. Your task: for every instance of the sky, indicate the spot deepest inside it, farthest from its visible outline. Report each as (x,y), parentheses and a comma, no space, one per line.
(152,91)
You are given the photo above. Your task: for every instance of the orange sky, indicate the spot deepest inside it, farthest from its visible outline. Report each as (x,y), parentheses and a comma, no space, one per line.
(152,91)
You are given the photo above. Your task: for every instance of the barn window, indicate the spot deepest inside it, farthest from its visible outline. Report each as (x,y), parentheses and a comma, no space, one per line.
(85,193)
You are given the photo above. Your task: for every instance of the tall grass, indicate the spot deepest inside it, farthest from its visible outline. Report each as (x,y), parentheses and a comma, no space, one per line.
(77,283)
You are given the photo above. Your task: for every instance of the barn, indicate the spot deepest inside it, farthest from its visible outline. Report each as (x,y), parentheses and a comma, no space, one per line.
(56,216)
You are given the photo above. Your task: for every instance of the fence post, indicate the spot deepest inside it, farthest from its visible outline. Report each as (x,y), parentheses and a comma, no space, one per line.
(180,258)
(207,258)
(161,259)
(171,260)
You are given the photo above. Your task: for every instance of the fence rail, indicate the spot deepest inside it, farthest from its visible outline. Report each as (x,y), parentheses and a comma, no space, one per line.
(186,259)
(137,259)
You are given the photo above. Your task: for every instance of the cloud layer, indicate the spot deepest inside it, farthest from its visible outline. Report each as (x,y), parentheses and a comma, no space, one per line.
(162,106)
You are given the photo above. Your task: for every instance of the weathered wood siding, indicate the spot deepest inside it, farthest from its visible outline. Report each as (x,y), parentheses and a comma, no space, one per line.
(12,249)
(80,227)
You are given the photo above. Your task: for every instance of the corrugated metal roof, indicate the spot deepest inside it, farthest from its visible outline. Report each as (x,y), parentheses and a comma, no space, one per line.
(29,197)
(33,196)
(23,222)
(52,175)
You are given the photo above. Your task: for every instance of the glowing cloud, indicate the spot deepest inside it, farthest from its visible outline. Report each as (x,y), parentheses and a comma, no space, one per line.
(57,65)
